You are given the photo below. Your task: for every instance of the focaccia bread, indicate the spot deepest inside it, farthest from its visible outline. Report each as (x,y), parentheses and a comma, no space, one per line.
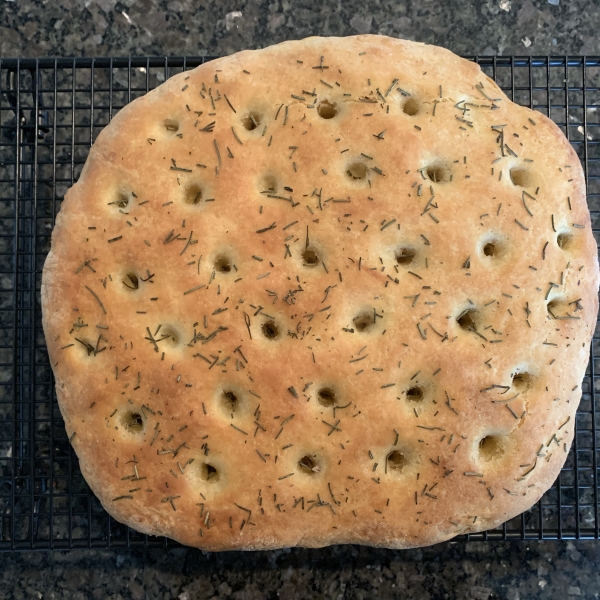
(339,290)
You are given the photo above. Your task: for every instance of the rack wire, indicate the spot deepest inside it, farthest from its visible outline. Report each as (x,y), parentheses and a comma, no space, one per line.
(51,110)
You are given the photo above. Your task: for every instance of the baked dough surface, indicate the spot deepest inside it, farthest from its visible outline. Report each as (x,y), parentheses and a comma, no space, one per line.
(339,290)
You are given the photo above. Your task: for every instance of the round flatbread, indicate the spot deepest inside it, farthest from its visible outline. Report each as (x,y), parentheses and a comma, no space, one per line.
(339,290)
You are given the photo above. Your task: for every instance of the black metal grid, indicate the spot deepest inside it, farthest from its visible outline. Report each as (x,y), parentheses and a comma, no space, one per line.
(51,110)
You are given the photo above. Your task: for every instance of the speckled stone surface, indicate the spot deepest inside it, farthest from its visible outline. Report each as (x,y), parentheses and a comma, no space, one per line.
(475,570)
(155,27)
(472,571)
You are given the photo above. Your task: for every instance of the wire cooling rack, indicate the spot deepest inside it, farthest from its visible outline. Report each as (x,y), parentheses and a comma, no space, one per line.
(51,110)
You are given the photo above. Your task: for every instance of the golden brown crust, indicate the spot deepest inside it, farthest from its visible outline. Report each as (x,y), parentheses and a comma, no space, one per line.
(431,421)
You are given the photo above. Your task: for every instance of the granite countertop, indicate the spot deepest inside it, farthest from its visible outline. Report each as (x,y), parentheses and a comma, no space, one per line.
(474,570)
(471,571)
(191,27)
